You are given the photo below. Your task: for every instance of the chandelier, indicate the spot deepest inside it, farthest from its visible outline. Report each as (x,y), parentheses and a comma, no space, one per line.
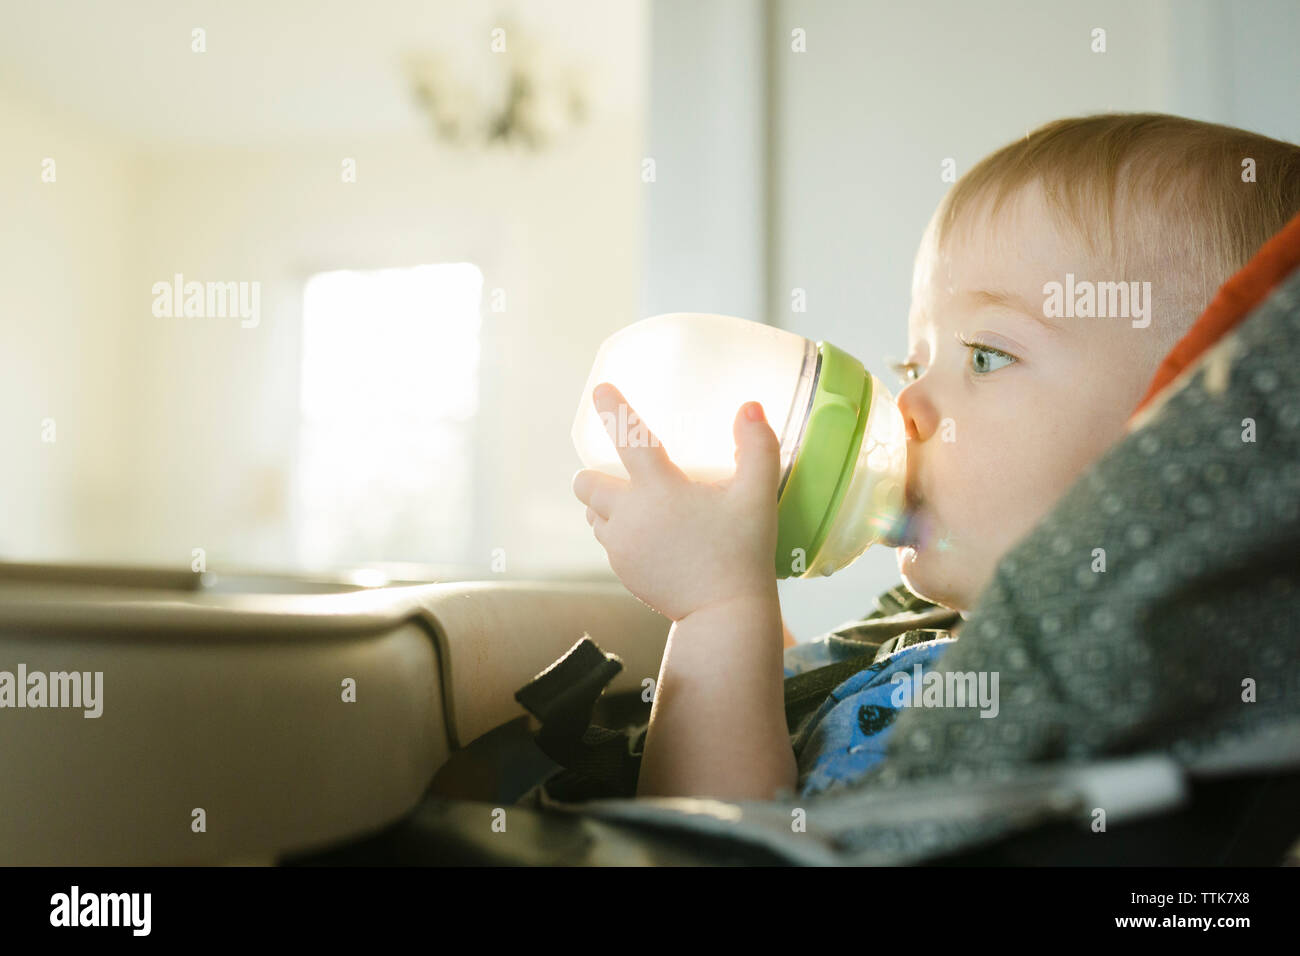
(523,97)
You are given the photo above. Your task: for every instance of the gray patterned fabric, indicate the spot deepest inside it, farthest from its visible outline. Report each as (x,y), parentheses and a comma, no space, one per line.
(1147,667)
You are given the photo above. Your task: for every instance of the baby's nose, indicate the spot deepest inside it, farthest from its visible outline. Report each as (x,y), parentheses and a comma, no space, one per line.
(919,416)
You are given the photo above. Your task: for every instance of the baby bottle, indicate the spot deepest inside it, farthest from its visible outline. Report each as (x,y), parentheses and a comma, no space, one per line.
(843,441)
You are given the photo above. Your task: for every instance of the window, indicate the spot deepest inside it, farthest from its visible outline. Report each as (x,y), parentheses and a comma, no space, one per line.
(390,362)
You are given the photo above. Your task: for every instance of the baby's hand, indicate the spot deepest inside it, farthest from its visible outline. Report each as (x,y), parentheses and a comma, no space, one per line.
(677,544)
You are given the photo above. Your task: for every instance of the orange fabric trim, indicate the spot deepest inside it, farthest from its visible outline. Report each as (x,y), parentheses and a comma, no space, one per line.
(1237,297)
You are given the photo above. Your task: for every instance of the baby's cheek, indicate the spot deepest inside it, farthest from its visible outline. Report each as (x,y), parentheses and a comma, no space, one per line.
(983,491)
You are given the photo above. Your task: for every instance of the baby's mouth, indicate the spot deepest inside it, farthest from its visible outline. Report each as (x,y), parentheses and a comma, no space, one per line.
(908,530)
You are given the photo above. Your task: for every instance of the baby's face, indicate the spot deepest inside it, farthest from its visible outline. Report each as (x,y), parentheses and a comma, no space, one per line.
(1005,407)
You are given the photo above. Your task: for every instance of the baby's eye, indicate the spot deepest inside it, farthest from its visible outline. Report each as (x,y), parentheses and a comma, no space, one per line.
(985,359)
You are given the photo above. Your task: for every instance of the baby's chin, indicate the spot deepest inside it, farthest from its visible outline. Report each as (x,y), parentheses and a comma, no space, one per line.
(934,575)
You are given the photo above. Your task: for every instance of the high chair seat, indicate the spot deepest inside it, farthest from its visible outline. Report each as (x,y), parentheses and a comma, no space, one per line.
(233,710)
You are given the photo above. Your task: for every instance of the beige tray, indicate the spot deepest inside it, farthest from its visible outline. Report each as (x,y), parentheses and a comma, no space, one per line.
(232,703)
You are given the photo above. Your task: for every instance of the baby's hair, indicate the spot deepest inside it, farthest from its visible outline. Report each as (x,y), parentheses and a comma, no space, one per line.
(1147,191)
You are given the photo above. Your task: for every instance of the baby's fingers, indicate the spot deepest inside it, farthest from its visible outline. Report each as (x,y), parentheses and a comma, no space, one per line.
(597,490)
(641,452)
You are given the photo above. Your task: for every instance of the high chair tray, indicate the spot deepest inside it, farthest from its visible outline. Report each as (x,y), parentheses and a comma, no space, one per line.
(236,727)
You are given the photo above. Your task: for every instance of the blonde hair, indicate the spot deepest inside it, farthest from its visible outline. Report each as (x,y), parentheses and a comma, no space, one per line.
(1146,191)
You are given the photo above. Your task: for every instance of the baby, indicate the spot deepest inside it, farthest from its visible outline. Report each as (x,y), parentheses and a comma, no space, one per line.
(1049,284)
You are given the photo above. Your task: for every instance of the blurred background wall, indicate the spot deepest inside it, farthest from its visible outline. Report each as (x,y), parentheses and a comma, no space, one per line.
(128,157)
(182,433)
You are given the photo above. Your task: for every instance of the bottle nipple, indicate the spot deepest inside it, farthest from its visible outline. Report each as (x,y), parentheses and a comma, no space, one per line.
(911,529)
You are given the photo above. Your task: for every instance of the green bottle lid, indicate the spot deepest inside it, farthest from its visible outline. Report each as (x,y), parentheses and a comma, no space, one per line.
(824,462)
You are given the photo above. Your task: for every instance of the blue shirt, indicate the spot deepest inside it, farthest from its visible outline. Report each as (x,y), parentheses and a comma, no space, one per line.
(846,737)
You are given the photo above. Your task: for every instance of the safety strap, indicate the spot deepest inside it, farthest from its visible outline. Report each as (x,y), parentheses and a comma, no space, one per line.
(804,693)
(598,762)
